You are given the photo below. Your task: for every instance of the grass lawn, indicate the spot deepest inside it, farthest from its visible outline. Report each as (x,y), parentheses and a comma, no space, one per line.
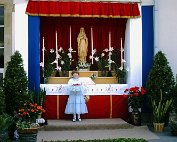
(106,140)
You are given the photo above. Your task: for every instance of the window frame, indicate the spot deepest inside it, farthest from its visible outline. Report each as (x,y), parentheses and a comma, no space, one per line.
(2,26)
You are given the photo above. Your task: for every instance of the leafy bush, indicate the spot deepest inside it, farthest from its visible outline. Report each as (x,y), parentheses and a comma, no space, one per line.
(160,78)
(2,99)
(175,99)
(5,122)
(160,109)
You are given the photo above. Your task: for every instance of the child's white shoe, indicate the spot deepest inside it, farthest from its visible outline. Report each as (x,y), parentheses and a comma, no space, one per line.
(79,119)
(74,120)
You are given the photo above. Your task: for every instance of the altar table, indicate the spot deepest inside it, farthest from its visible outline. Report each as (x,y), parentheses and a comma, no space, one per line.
(110,105)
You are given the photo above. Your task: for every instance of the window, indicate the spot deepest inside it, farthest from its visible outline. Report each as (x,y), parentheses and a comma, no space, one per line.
(1,41)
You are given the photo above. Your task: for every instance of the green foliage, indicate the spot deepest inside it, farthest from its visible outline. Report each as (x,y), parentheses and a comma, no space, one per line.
(2,99)
(65,61)
(173,125)
(5,122)
(48,67)
(120,73)
(106,140)
(175,98)
(38,98)
(102,62)
(15,84)
(160,109)
(160,78)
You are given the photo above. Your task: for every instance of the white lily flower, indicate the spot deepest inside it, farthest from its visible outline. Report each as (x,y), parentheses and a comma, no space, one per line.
(54,62)
(121,68)
(106,50)
(110,61)
(42,64)
(58,56)
(122,49)
(52,50)
(70,49)
(94,51)
(58,68)
(62,62)
(69,55)
(43,49)
(90,57)
(97,59)
(110,53)
(102,54)
(123,60)
(60,49)
(111,49)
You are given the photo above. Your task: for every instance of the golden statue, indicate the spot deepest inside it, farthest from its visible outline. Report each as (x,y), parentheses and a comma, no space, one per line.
(82,41)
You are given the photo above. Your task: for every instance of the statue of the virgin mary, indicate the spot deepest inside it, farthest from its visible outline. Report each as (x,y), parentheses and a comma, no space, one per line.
(82,41)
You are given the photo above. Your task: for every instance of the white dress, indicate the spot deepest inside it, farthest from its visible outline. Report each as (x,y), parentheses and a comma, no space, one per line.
(76,103)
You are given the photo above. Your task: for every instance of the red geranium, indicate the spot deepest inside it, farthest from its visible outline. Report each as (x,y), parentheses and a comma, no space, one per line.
(30,111)
(135,97)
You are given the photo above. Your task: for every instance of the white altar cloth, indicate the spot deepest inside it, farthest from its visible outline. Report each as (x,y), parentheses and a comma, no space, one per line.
(97,89)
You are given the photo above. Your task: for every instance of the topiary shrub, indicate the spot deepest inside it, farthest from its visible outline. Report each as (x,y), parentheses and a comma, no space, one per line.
(160,78)
(2,99)
(15,84)
(175,98)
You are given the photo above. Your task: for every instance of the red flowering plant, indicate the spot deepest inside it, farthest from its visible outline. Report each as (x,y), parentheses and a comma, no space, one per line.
(135,97)
(30,111)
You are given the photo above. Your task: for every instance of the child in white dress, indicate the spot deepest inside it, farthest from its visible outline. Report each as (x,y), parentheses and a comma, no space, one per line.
(76,103)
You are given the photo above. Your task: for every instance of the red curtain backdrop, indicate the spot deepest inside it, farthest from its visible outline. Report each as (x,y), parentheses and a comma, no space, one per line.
(101,28)
(104,106)
(83,9)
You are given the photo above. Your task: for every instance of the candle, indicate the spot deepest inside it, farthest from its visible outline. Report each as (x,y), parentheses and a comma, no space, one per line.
(121,51)
(109,50)
(56,50)
(92,43)
(43,48)
(70,36)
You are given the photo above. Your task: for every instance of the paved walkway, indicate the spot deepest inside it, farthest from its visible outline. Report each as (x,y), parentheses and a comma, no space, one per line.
(164,136)
(136,132)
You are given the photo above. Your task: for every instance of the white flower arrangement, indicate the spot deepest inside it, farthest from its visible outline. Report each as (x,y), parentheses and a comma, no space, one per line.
(83,65)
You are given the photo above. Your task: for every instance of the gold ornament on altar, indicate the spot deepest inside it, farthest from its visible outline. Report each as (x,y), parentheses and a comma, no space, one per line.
(82,41)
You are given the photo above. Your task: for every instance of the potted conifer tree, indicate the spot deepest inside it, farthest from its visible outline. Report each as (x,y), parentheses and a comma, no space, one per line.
(15,84)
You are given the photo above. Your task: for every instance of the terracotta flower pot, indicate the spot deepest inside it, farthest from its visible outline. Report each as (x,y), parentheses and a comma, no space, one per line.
(158,127)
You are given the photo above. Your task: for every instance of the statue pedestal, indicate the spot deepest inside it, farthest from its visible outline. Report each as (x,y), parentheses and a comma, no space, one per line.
(86,69)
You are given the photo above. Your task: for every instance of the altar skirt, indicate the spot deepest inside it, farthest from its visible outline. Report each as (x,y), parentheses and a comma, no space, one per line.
(76,104)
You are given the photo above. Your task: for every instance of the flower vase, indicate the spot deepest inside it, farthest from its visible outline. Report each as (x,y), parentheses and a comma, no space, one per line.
(136,117)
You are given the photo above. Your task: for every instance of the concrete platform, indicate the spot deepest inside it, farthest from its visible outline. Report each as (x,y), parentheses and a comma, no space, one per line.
(135,132)
(86,124)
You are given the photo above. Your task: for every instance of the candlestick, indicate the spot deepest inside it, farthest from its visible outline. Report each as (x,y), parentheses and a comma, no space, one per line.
(43,48)
(70,36)
(121,50)
(92,43)
(109,50)
(56,50)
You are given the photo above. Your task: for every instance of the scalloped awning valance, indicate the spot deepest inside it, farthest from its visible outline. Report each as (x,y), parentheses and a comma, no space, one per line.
(83,9)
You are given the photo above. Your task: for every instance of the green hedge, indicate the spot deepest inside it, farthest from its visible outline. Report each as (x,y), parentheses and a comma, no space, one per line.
(106,140)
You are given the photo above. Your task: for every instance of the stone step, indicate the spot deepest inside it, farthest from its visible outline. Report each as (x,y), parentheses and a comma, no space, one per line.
(86,124)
